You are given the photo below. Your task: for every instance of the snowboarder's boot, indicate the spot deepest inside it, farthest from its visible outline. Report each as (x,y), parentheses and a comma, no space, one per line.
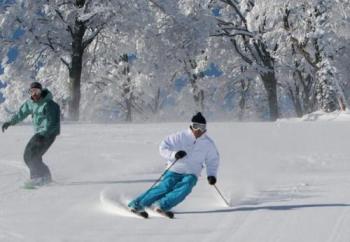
(37,182)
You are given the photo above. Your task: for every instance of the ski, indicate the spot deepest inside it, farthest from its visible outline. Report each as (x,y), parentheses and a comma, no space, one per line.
(142,214)
(168,214)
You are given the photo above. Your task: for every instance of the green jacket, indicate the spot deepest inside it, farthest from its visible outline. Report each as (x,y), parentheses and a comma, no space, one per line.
(45,114)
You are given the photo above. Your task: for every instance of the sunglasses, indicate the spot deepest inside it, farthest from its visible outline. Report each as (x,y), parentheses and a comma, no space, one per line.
(199,126)
(34,91)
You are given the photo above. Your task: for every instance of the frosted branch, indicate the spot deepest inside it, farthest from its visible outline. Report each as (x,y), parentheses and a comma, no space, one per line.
(245,58)
(65,62)
(234,6)
(88,41)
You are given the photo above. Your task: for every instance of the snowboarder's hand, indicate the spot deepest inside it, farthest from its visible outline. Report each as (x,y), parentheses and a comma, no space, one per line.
(5,126)
(180,154)
(211,180)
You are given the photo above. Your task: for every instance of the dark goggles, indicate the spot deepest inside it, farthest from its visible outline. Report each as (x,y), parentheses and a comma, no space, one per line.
(34,91)
(199,126)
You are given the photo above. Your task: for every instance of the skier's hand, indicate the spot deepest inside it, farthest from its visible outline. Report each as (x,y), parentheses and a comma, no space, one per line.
(5,126)
(211,180)
(180,154)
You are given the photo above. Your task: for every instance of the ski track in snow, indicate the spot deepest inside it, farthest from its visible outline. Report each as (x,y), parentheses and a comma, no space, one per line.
(227,226)
(6,235)
(14,164)
(339,226)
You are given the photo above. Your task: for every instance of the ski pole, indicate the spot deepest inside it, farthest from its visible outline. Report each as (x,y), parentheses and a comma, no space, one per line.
(223,198)
(161,176)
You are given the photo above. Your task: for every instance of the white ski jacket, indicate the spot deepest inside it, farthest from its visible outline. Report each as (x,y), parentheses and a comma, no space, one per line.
(200,152)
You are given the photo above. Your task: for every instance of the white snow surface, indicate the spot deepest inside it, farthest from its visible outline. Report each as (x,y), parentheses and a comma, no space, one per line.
(286,181)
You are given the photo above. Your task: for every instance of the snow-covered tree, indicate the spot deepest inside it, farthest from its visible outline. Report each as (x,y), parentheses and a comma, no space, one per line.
(314,42)
(170,45)
(299,42)
(65,31)
(60,30)
(131,59)
(239,23)
(189,25)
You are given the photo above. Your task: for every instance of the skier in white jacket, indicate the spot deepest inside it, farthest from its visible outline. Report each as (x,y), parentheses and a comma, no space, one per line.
(186,153)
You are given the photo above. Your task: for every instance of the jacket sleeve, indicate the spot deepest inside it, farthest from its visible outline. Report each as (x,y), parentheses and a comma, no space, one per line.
(52,121)
(212,161)
(167,147)
(23,112)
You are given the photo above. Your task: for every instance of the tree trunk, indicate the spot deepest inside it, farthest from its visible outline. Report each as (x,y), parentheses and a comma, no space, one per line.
(128,97)
(295,96)
(128,110)
(270,84)
(75,70)
(75,79)
(157,101)
(298,108)
(127,88)
(198,94)
(308,95)
(245,85)
(242,105)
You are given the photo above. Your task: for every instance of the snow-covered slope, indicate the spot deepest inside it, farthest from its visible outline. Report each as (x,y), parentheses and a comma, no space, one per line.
(286,181)
(323,116)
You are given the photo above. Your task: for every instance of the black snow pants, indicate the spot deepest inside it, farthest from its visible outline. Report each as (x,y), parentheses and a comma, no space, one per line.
(35,149)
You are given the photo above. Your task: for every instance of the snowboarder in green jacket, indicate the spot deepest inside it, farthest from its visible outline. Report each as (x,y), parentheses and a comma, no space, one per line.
(46,120)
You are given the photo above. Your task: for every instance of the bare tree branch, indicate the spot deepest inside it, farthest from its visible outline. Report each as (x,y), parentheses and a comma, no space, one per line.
(306,54)
(64,3)
(158,6)
(245,58)
(92,37)
(60,16)
(241,33)
(299,46)
(65,62)
(234,6)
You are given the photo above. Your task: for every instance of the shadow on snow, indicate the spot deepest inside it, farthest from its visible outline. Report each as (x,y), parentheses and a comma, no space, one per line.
(274,208)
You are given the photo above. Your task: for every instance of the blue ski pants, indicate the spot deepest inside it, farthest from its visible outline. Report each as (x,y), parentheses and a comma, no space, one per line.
(170,191)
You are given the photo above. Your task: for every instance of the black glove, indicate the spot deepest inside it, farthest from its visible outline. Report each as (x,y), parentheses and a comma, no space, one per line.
(5,126)
(180,154)
(211,180)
